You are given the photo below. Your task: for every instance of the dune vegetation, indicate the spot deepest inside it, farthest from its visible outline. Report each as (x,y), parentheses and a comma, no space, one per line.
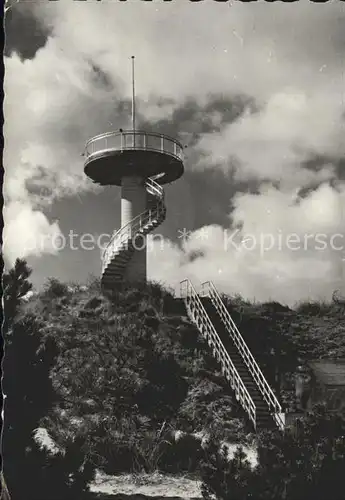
(123,383)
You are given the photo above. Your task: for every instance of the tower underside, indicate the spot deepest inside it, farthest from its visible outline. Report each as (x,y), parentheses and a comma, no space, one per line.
(109,168)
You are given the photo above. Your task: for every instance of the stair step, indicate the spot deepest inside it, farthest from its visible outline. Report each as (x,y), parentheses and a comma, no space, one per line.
(119,259)
(260,403)
(111,276)
(113,271)
(115,264)
(248,381)
(263,412)
(119,256)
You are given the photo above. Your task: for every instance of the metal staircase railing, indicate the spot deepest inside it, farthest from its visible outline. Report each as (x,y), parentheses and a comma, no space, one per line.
(142,224)
(209,290)
(200,317)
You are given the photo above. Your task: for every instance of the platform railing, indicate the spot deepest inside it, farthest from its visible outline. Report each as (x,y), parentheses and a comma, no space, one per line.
(199,315)
(133,140)
(209,290)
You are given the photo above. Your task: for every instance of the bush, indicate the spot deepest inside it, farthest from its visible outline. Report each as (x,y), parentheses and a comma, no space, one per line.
(93,303)
(306,462)
(136,451)
(226,479)
(150,451)
(183,455)
(54,288)
(313,308)
(55,476)
(49,475)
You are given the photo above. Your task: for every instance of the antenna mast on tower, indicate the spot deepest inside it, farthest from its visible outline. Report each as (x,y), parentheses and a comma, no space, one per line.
(133,102)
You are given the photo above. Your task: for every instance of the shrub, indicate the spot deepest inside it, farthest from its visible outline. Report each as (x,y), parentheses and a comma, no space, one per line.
(183,455)
(65,474)
(93,303)
(226,479)
(306,462)
(136,451)
(54,288)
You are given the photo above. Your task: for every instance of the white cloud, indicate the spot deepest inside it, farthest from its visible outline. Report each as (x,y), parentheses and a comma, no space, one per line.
(288,57)
(185,49)
(28,232)
(275,142)
(278,247)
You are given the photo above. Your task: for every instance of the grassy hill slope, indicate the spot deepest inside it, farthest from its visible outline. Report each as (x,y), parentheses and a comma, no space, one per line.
(122,373)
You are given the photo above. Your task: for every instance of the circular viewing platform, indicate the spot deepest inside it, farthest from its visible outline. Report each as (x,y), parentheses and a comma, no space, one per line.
(111,156)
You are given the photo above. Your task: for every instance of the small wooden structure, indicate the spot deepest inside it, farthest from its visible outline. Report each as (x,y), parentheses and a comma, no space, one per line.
(321,381)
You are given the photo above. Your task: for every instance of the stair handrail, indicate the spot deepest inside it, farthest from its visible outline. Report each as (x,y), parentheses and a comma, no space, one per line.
(129,230)
(212,336)
(154,188)
(254,369)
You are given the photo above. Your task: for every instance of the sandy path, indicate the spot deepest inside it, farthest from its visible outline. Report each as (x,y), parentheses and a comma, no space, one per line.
(150,485)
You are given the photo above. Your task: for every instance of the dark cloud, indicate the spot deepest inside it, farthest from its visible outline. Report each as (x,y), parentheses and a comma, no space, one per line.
(25,34)
(200,198)
(190,119)
(101,78)
(194,255)
(340,169)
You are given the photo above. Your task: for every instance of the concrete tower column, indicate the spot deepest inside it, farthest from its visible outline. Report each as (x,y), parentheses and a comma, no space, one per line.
(133,203)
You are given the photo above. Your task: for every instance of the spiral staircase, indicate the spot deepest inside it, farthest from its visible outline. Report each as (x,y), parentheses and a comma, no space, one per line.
(122,246)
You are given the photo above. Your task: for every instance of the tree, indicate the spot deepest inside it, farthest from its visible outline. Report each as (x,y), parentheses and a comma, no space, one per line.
(16,285)
(27,365)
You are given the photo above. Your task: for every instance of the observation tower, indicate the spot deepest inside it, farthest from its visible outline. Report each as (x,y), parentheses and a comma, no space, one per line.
(140,163)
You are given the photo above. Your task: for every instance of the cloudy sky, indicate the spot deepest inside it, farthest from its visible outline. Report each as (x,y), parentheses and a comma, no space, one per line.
(254,90)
